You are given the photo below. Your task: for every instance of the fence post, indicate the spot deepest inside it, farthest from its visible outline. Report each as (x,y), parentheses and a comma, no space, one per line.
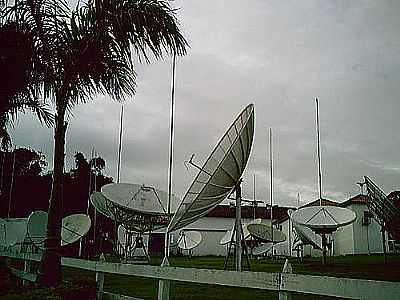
(287,269)
(164,285)
(100,279)
(27,269)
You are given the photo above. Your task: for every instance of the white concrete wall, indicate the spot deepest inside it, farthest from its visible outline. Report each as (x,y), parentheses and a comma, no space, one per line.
(343,240)
(357,238)
(212,230)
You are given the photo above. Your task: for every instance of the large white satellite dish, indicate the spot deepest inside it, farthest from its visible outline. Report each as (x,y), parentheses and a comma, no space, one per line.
(139,208)
(74,227)
(220,174)
(189,240)
(323,219)
(139,198)
(12,231)
(264,233)
(37,227)
(262,248)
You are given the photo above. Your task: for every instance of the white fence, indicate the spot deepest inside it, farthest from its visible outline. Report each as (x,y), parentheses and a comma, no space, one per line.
(284,283)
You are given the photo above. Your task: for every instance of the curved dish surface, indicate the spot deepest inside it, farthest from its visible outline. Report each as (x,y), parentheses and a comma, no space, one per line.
(226,238)
(323,218)
(12,231)
(305,234)
(261,249)
(74,227)
(263,233)
(37,227)
(189,240)
(102,204)
(139,208)
(220,173)
(229,234)
(139,198)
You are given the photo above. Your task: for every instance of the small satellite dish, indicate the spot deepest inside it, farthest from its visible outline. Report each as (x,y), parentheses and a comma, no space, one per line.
(37,227)
(121,233)
(255,221)
(263,233)
(220,174)
(323,218)
(230,237)
(12,231)
(101,204)
(73,228)
(189,240)
(261,249)
(226,238)
(305,234)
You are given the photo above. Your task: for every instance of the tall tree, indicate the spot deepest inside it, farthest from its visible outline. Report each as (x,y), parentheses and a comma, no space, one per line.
(18,67)
(83,53)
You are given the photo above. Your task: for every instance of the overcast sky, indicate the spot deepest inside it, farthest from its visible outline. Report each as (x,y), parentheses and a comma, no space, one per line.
(279,55)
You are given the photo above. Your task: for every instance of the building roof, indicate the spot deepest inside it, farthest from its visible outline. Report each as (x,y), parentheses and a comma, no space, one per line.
(358,199)
(325,202)
(248,212)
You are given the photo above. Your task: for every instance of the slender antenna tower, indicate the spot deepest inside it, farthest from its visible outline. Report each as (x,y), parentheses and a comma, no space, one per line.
(90,183)
(2,173)
(120,143)
(171,151)
(319,154)
(298,200)
(254,196)
(88,202)
(12,184)
(271,186)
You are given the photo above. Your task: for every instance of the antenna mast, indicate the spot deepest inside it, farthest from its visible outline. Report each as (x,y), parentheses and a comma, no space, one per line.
(271,186)
(120,144)
(319,154)
(171,152)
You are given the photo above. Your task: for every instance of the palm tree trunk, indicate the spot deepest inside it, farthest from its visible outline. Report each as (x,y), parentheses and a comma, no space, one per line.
(50,269)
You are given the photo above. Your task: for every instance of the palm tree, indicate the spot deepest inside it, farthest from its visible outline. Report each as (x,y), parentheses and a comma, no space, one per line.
(83,53)
(17,69)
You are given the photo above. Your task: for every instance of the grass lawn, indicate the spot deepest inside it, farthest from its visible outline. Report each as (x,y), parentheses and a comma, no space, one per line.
(363,266)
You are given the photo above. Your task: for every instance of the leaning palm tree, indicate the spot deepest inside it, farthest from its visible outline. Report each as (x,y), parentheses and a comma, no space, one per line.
(83,53)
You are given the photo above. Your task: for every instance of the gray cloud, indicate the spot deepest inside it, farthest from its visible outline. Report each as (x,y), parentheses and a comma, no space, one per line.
(280,56)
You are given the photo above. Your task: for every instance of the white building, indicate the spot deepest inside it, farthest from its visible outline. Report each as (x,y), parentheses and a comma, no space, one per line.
(363,236)
(215,225)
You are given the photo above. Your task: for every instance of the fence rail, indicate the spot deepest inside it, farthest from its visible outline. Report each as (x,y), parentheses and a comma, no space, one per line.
(284,283)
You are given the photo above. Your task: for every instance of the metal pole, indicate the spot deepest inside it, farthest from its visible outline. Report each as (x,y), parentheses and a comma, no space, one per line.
(319,154)
(238,225)
(11,185)
(171,152)
(254,196)
(120,144)
(271,187)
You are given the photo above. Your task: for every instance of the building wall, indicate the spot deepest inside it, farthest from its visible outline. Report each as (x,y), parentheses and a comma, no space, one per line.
(358,238)
(343,240)
(367,238)
(212,229)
